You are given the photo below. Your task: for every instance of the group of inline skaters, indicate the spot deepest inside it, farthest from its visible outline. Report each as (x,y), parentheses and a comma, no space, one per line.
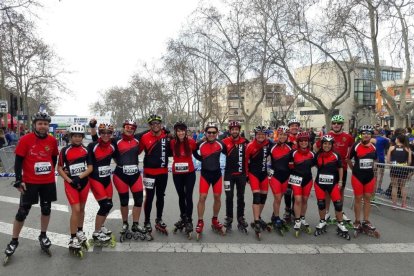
(89,168)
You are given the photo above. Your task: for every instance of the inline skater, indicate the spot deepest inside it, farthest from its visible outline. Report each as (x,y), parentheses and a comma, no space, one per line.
(280,153)
(182,147)
(363,179)
(257,152)
(100,156)
(301,180)
(74,168)
(36,157)
(342,146)
(328,180)
(235,175)
(209,155)
(156,145)
(294,126)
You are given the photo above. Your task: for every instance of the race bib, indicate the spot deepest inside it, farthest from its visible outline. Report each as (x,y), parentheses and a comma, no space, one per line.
(365,163)
(130,169)
(42,168)
(77,169)
(148,183)
(326,179)
(227,186)
(104,171)
(295,180)
(181,167)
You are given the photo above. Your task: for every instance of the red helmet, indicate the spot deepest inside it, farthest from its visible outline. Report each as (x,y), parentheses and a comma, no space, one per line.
(303,136)
(283,129)
(234,124)
(105,127)
(130,122)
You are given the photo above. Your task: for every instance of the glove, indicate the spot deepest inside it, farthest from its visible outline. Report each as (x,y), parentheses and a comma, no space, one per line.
(19,185)
(76,182)
(92,123)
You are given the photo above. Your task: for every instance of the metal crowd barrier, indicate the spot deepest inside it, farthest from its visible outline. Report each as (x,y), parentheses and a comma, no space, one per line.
(394,186)
(7,157)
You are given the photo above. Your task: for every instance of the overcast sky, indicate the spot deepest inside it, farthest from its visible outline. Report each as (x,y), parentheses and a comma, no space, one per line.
(103,41)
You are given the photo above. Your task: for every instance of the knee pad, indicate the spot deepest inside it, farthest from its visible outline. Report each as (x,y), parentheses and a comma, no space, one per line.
(338,206)
(263,198)
(45,208)
(105,205)
(256,198)
(321,205)
(124,199)
(22,212)
(138,198)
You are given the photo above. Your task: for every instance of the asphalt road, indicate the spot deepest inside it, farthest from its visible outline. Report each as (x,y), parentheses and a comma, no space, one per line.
(233,254)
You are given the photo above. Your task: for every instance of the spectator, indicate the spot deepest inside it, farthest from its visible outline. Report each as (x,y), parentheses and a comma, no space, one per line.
(200,135)
(312,136)
(323,130)
(382,144)
(195,134)
(2,138)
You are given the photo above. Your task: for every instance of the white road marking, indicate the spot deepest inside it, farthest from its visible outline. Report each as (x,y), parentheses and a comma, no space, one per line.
(228,248)
(56,207)
(91,208)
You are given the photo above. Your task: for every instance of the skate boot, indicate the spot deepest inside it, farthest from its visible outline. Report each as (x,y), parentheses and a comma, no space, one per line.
(160,226)
(279,225)
(342,230)
(264,225)
(83,240)
(10,249)
(257,229)
(125,233)
(217,226)
(148,228)
(297,226)
(189,228)
(305,226)
(139,232)
(242,225)
(227,224)
(370,229)
(45,244)
(102,240)
(75,247)
(179,225)
(199,228)
(320,228)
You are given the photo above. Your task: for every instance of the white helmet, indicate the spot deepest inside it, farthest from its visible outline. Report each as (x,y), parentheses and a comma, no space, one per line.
(77,129)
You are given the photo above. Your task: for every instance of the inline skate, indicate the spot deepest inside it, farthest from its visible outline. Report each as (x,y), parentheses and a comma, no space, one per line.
(199,228)
(75,248)
(10,249)
(179,225)
(279,225)
(189,228)
(45,244)
(257,227)
(100,239)
(160,226)
(365,227)
(342,230)
(242,225)
(148,228)
(217,226)
(320,228)
(83,240)
(139,232)
(228,224)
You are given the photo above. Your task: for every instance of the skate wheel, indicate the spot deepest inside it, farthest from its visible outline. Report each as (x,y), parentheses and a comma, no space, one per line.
(316,234)
(121,238)
(198,236)
(308,230)
(355,234)
(80,254)
(128,236)
(175,230)
(377,234)
(296,234)
(189,236)
(112,243)
(5,260)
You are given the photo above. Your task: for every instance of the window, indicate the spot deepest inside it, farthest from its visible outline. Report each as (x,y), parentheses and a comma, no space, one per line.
(364,92)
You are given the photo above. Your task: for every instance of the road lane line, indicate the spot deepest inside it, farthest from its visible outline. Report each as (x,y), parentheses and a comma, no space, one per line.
(56,207)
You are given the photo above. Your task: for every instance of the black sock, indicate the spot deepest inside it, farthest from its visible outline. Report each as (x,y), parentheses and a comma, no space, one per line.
(43,234)
(15,240)
(80,228)
(73,236)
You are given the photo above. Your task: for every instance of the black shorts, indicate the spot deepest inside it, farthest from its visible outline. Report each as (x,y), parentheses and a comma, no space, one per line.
(46,192)
(344,178)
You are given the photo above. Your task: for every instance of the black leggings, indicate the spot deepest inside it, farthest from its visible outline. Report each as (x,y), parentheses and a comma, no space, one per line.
(240,182)
(159,188)
(184,184)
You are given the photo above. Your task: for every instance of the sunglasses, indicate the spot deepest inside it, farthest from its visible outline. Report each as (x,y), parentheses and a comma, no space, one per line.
(155,123)
(336,123)
(211,132)
(106,133)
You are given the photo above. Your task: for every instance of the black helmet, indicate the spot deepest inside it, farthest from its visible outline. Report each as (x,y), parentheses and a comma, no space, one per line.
(154,117)
(41,116)
(180,125)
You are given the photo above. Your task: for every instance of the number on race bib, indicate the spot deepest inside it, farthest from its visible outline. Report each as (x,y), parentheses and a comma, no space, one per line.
(366,163)
(104,171)
(326,179)
(77,169)
(295,180)
(42,168)
(181,167)
(148,182)
(130,169)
